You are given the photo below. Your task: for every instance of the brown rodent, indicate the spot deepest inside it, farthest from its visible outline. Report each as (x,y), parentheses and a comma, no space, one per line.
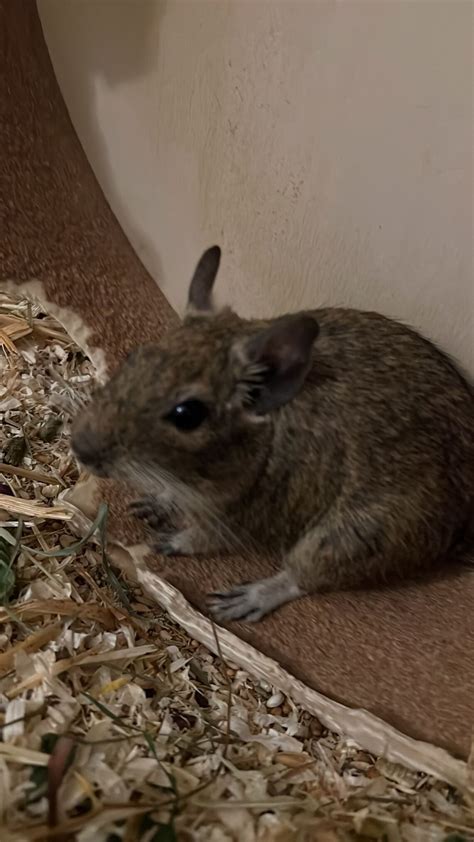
(339,441)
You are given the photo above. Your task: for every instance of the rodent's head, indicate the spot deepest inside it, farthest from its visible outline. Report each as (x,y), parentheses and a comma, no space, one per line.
(188,407)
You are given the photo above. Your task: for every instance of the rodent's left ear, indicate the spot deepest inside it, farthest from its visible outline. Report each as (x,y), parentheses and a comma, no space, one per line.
(275,361)
(202,282)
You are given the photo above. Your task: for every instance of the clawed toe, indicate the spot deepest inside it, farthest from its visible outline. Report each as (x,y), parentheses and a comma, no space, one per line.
(143,508)
(240,603)
(253,600)
(147,510)
(142,504)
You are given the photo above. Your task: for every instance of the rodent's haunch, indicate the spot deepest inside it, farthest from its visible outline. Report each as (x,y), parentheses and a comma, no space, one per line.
(339,441)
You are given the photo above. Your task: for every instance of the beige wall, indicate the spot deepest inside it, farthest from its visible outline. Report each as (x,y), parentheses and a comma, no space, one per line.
(326,145)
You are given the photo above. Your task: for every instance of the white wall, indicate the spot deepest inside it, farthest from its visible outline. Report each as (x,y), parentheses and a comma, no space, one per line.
(326,145)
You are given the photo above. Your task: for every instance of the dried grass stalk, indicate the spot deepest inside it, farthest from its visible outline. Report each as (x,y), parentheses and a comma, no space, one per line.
(12,328)
(26,473)
(25,508)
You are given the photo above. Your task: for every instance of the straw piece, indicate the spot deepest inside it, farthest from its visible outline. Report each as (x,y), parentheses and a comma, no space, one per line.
(33,642)
(17,754)
(18,506)
(12,328)
(26,473)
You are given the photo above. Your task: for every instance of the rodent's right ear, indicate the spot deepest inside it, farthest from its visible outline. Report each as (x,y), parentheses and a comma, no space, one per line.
(273,363)
(202,282)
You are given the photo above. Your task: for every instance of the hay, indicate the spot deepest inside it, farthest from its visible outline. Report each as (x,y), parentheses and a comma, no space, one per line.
(115,724)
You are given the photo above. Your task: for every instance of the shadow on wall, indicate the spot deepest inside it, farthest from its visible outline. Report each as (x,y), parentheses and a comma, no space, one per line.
(120,48)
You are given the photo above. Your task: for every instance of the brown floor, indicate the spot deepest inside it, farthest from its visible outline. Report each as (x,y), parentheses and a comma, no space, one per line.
(404,654)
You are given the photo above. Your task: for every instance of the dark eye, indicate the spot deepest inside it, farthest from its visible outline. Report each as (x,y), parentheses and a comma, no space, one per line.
(188,415)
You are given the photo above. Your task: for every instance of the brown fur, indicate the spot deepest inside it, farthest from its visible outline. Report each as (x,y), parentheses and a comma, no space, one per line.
(365,473)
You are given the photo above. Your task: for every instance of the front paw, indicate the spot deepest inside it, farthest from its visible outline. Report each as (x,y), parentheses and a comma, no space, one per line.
(243,602)
(149,510)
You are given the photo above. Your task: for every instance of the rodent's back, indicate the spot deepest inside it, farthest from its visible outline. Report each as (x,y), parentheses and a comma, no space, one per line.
(387,368)
(394,406)
(372,344)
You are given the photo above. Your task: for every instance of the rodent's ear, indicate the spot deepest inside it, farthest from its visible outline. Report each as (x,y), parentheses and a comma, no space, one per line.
(275,362)
(202,282)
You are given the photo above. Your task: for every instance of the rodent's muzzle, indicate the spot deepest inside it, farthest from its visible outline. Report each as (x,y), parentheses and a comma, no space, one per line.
(90,448)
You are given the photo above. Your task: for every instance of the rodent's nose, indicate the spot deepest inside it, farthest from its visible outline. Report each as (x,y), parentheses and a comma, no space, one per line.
(88,448)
